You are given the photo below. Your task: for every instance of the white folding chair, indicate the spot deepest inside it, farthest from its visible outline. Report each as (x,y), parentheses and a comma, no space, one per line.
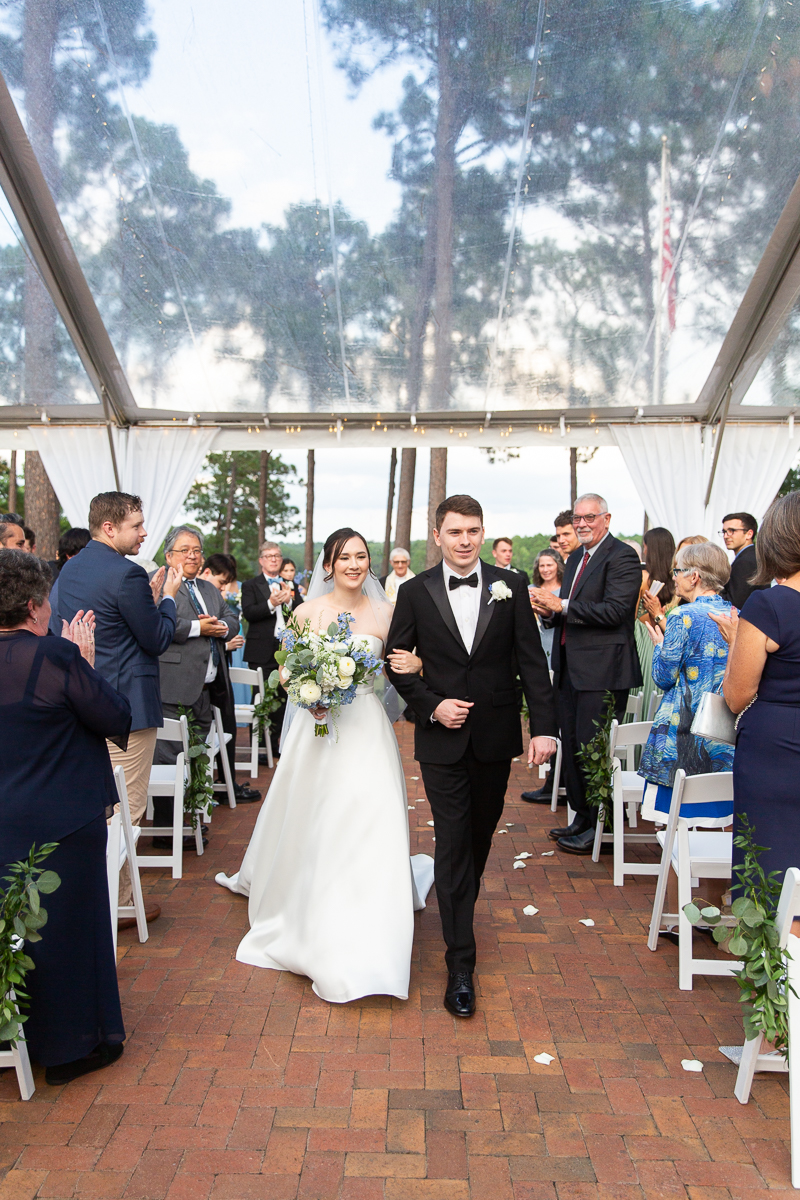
(169,779)
(652,708)
(121,848)
(245,715)
(752,1057)
(16,1056)
(620,836)
(633,708)
(624,741)
(558,790)
(694,853)
(217,741)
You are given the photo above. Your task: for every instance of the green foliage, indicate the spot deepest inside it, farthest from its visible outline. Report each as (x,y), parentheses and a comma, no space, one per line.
(596,764)
(791,483)
(208,502)
(753,937)
(21,918)
(269,703)
(198,796)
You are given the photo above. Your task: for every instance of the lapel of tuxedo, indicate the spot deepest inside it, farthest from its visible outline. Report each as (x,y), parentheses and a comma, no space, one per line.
(593,563)
(435,585)
(487,605)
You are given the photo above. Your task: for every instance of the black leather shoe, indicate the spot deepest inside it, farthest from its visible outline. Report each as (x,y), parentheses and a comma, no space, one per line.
(102,1056)
(541,797)
(579,824)
(579,843)
(459,999)
(165,843)
(245,795)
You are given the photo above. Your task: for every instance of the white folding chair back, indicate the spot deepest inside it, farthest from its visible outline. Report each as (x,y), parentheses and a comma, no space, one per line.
(652,708)
(633,708)
(623,743)
(557,788)
(217,741)
(620,836)
(169,779)
(693,853)
(245,715)
(17,1056)
(123,836)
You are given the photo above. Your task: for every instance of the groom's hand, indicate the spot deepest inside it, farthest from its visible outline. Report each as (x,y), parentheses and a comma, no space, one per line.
(540,749)
(452,713)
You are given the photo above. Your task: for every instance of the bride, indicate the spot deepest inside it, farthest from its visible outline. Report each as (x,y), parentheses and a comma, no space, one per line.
(331,888)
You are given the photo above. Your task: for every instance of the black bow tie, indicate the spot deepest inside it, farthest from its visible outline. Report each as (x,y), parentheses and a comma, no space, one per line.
(456,581)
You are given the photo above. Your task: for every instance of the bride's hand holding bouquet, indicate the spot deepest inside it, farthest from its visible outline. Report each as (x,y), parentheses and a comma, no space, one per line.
(321,671)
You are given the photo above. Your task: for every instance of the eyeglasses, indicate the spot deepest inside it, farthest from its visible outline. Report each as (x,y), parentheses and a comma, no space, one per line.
(676,571)
(271,554)
(195,552)
(733,529)
(589,519)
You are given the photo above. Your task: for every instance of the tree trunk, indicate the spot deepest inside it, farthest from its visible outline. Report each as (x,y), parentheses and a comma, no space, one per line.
(40,30)
(387,538)
(42,510)
(437,490)
(405,498)
(12,482)
(422,308)
(262,496)
(573,475)
(308,561)
(444,186)
(226,541)
(647,275)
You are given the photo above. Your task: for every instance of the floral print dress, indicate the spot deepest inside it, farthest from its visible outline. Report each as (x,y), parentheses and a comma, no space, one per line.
(689,662)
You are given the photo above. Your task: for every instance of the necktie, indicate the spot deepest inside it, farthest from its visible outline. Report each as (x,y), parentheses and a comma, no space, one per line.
(581,569)
(190,587)
(456,581)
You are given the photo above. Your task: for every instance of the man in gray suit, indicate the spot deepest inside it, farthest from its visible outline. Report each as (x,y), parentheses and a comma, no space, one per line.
(193,669)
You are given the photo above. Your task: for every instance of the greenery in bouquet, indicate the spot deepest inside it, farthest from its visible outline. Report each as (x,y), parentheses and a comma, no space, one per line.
(323,670)
(21,918)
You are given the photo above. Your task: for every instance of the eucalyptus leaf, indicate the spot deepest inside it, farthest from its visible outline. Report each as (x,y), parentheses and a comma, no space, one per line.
(737,945)
(720,933)
(692,913)
(710,914)
(33,898)
(47,882)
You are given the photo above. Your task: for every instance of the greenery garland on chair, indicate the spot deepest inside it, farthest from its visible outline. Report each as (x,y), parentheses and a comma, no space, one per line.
(595,762)
(752,935)
(198,796)
(270,702)
(21,918)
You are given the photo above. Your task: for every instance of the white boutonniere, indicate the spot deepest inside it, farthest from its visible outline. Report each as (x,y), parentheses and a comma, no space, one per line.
(500,591)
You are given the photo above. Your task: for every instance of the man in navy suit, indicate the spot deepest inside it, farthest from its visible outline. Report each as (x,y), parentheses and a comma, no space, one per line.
(130,631)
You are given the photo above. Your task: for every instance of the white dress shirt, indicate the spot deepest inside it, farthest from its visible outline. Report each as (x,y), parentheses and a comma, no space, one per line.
(586,550)
(194,631)
(280,623)
(465,602)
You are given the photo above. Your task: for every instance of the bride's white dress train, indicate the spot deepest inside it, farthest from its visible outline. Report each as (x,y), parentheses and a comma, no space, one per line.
(331,887)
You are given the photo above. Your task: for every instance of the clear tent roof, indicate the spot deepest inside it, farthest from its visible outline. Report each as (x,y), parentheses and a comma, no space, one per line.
(390,205)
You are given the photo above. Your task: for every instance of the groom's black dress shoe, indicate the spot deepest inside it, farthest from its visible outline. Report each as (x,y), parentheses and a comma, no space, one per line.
(459,999)
(579,824)
(580,843)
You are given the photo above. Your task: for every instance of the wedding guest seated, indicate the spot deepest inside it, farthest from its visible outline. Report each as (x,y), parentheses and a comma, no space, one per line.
(689,659)
(400,573)
(56,785)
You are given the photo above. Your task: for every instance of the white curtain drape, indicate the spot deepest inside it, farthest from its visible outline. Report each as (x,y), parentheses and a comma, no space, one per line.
(158,464)
(670,467)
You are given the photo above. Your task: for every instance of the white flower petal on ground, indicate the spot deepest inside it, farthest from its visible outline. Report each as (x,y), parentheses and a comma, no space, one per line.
(587,921)
(414,777)
(518,865)
(509,824)
(412,806)
(544,1058)
(430,822)
(691,1064)
(530,911)
(502,831)
(547,853)
(524,854)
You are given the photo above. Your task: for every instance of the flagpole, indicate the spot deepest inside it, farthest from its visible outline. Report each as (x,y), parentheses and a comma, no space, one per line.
(660,289)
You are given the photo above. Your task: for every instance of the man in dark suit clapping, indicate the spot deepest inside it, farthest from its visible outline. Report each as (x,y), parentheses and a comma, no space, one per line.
(594,648)
(263,600)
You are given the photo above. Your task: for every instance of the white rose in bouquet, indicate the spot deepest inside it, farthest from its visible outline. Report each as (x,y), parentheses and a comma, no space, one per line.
(310,692)
(347,666)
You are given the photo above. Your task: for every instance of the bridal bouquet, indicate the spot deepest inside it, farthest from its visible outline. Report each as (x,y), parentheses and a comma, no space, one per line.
(324,669)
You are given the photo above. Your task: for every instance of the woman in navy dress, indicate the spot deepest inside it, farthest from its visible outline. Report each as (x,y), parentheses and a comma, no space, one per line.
(56,785)
(762,683)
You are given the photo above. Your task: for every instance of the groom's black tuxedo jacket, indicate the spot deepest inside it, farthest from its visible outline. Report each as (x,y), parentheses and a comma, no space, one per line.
(506,644)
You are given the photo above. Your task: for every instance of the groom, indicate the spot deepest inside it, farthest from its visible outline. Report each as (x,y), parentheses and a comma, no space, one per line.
(473,627)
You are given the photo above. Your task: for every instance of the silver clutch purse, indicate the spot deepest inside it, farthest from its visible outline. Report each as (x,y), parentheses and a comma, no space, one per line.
(714,720)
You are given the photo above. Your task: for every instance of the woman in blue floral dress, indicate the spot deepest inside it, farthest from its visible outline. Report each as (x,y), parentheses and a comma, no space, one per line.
(689,660)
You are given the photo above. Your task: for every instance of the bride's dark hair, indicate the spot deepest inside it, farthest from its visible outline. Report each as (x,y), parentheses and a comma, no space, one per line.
(332,550)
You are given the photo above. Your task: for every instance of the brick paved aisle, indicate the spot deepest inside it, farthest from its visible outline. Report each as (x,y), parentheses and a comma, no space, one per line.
(238,1083)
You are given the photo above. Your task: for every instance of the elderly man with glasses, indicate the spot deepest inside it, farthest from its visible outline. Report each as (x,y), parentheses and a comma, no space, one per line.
(193,669)
(266,600)
(594,648)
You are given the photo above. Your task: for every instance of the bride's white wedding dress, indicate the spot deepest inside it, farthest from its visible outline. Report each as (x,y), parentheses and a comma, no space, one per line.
(331,887)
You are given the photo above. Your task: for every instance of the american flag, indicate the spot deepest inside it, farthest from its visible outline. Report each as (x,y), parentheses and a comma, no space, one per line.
(667,273)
